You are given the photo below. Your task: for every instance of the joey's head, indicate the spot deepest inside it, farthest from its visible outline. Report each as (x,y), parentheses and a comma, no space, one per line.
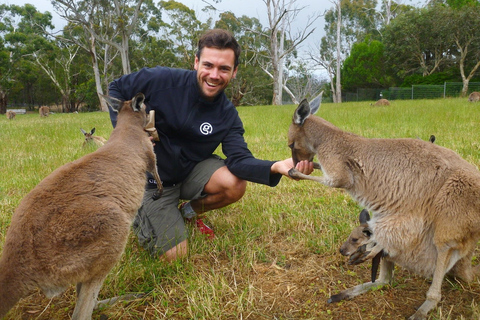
(359,236)
(298,139)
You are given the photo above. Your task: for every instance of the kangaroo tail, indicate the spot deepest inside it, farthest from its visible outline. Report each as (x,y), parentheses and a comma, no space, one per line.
(11,289)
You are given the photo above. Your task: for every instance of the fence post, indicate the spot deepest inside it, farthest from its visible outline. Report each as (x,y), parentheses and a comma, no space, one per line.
(444,89)
(412,91)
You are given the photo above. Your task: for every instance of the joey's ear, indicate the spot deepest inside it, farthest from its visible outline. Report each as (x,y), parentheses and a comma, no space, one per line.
(83,131)
(92,131)
(364,216)
(301,113)
(137,101)
(113,102)
(315,103)
(367,232)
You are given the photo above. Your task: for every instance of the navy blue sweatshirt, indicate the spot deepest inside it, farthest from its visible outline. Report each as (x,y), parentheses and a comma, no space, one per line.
(191,128)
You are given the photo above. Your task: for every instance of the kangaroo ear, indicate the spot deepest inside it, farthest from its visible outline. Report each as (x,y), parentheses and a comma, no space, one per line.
(367,232)
(83,131)
(114,103)
(301,113)
(137,101)
(92,131)
(315,103)
(364,216)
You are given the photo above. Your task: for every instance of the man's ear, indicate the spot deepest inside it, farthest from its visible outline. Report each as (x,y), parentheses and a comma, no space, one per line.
(196,63)
(235,73)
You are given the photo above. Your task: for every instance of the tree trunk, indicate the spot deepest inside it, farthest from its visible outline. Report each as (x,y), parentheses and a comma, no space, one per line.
(3,102)
(338,89)
(96,72)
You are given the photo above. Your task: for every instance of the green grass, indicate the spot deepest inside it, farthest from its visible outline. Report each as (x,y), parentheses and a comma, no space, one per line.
(275,255)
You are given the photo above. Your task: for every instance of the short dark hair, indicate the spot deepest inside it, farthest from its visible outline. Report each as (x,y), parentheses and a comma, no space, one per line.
(219,39)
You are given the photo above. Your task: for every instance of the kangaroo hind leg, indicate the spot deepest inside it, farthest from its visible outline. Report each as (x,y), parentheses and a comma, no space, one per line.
(386,276)
(446,258)
(87,293)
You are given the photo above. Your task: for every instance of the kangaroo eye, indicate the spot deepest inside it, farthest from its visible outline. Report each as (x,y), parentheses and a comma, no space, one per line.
(354,240)
(291,146)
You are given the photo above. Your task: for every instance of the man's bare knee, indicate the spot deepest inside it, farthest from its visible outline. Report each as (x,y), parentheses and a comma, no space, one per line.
(236,191)
(179,251)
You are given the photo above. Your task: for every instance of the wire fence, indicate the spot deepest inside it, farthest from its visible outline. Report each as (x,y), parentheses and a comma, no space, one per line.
(448,89)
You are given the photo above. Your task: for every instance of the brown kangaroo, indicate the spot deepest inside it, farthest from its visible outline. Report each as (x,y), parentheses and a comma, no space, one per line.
(382,102)
(474,97)
(10,114)
(73,226)
(90,139)
(44,111)
(424,198)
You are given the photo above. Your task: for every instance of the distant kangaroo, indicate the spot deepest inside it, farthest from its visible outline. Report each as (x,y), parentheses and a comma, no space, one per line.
(72,228)
(44,111)
(382,102)
(90,139)
(424,198)
(10,114)
(474,97)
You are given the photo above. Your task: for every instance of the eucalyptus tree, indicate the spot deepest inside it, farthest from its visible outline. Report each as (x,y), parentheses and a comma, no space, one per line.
(21,34)
(366,67)
(283,41)
(58,65)
(108,27)
(389,10)
(464,23)
(419,41)
(346,23)
(182,30)
(101,54)
(252,86)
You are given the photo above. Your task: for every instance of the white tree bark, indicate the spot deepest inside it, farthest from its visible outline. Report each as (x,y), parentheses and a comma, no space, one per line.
(281,13)
(338,85)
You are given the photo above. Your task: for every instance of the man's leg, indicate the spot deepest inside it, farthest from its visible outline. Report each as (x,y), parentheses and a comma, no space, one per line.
(159,225)
(211,186)
(222,189)
(176,252)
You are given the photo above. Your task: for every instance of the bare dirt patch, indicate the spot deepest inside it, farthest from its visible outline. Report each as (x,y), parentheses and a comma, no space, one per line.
(297,287)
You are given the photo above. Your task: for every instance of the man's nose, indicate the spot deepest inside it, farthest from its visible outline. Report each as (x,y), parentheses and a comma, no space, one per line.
(214,73)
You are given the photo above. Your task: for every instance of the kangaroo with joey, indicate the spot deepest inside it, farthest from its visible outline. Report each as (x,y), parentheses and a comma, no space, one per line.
(424,199)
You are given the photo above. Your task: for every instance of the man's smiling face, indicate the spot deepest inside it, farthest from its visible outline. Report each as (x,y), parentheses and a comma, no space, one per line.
(215,69)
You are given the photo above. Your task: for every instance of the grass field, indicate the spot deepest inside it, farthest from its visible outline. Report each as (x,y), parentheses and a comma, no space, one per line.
(276,251)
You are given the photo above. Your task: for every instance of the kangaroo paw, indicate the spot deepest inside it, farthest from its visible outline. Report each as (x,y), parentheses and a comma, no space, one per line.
(294,173)
(366,252)
(337,297)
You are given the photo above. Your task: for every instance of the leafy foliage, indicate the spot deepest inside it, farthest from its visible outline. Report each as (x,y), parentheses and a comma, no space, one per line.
(365,67)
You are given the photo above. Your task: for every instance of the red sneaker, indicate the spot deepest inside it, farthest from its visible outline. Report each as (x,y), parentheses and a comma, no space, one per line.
(204,229)
(201,226)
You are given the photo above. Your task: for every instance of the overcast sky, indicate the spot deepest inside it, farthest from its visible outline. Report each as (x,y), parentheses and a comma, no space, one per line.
(251,8)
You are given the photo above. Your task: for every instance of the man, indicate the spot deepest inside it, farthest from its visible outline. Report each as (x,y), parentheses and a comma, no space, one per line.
(193,117)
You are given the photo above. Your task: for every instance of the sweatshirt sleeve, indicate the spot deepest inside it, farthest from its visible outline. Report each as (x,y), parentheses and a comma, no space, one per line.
(127,86)
(242,163)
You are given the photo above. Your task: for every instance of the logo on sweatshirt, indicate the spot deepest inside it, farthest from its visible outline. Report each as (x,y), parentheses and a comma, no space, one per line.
(206,128)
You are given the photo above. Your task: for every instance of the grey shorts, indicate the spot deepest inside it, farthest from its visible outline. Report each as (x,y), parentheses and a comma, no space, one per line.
(159,224)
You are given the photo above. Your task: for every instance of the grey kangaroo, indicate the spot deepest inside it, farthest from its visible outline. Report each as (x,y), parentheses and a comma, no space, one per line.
(90,139)
(424,198)
(72,227)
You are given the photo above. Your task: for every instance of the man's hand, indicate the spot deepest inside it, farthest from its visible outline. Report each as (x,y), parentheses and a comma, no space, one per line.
(305,167)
